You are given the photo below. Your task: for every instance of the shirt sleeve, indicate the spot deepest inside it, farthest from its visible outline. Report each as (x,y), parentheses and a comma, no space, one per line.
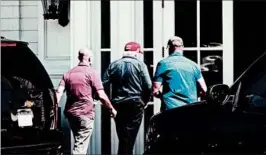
(96,81)
(160,69)
(63,81)
(197,72)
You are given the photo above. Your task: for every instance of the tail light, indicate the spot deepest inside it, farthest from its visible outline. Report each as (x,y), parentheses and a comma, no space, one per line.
(8,44)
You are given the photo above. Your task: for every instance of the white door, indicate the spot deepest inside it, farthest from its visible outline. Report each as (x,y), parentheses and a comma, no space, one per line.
(138,21)
(207,31)
(121,22)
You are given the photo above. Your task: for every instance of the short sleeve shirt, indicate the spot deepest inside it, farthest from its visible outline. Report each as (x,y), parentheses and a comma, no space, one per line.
(81,83)
(178,76)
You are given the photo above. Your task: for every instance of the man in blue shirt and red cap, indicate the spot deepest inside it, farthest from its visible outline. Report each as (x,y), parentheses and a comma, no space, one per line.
(131,91)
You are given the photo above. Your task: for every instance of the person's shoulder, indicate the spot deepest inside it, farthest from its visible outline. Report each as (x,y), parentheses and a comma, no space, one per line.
(190,61)
(137,61)
(163,61)
(115,62)
(92,70)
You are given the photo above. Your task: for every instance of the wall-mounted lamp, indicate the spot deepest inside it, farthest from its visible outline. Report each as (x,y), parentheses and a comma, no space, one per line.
(56,9)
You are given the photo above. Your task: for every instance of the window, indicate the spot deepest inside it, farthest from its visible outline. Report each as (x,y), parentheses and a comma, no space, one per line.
(105,23)
(192,55)
(148,23)
(212,67)
(105,61)
(210,23)
(199,23)
(106,122)
(186,21)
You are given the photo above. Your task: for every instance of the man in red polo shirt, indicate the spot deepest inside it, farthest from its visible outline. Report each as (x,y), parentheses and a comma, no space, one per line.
(82,84)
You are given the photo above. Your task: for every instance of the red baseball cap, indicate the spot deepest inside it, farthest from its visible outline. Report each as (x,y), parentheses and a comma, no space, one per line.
(133,46)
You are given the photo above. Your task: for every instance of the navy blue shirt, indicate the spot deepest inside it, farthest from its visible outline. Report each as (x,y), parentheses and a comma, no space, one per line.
(178,76)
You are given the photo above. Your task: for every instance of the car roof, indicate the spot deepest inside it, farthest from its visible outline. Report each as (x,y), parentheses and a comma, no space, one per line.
(5,40)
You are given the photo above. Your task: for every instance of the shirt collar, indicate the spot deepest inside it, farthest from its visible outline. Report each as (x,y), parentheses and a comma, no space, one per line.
(83,64)
(176,54)
(128,56)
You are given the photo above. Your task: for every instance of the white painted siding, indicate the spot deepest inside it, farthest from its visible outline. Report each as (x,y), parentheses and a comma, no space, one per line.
(19,21)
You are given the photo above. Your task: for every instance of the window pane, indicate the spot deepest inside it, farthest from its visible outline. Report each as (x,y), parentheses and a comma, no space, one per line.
(106,122)
(212,67)
(210,23)
(148,60)
(186,21)
(192,55)
(105,23)
(148,23)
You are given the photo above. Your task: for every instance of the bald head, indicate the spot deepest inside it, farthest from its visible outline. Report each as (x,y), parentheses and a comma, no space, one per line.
(175,44)
(85,54)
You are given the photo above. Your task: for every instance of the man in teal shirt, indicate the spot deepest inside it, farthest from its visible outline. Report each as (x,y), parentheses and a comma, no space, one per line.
(178,76)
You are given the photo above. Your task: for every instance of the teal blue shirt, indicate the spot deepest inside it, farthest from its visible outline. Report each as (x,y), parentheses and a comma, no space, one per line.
(178,76)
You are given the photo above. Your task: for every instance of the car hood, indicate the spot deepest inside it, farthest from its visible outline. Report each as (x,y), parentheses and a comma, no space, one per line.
(184,118)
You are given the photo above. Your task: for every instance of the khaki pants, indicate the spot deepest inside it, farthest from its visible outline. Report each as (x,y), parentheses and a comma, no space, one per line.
(82,128)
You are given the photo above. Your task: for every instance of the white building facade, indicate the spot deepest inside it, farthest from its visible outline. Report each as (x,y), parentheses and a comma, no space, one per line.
(105,27)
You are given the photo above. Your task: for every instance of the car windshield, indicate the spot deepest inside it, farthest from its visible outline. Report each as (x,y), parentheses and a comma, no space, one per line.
(253,81)
(256,71)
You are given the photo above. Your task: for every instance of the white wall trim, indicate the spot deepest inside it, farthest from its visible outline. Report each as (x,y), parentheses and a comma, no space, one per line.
(157,42)
(42,39)
(40,32)
(198,32)
(228,42)
(93,38)
(168,23)
(139,37)
(126,25)
(46,57)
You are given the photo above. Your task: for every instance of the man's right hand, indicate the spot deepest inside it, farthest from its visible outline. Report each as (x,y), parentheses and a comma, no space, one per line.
(113,113)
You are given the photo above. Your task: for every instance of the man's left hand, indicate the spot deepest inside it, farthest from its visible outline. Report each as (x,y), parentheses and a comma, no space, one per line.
(113,113)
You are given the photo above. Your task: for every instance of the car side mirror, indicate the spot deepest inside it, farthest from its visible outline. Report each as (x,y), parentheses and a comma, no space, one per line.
(217,93)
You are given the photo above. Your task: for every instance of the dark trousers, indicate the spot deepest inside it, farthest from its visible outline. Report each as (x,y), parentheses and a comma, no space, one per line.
(128,120)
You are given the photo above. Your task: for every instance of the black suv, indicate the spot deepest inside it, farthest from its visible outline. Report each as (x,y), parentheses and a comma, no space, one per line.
(230,120)
(29,115)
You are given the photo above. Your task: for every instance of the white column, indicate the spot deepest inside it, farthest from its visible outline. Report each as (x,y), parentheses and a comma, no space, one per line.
(126,25)
(85,31)
(122,26)
(122,31)
(78,18)
(228,42)
(94,40)
(139,37)
(78,29)
(157,42)
(168,23)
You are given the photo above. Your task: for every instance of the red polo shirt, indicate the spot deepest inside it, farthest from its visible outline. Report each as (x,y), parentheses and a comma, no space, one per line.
(81,83)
